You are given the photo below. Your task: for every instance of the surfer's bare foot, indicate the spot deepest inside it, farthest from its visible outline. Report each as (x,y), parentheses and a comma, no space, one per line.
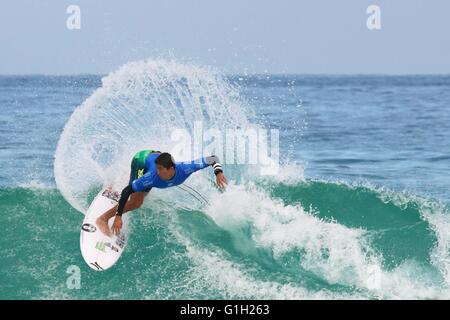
(103,226)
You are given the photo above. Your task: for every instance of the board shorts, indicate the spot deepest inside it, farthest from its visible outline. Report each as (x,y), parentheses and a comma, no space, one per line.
(138,165)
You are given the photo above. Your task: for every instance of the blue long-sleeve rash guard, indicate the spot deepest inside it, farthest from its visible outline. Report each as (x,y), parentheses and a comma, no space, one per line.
(151,179)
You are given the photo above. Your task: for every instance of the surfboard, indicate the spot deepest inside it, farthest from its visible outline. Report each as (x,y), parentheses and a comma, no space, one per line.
(100,251)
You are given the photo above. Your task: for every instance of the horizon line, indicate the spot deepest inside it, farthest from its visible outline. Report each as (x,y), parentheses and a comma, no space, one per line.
(233,74)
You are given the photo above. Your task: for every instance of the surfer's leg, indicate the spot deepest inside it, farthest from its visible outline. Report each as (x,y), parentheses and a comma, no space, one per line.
(135,201)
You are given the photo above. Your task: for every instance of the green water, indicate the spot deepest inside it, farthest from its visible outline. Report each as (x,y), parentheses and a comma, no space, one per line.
(178,253)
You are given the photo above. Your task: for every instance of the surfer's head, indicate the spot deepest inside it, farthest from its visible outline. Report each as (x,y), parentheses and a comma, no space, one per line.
(165,166)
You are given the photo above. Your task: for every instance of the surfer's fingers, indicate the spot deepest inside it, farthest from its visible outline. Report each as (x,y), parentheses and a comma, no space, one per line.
(223,182)
(116,230)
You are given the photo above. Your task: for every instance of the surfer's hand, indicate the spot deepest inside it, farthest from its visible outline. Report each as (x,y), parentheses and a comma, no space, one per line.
(221,180)
(117,225)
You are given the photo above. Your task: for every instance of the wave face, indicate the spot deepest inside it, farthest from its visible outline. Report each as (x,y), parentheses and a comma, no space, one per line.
(302,240)
(272,237)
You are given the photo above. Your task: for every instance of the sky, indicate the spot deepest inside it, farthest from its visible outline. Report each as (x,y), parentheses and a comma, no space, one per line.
(235,36)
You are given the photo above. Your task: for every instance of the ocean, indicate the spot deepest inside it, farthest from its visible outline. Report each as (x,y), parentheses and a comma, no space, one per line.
(358,209)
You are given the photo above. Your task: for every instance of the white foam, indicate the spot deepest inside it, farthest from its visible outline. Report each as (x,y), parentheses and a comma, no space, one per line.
(336,253)
(214,271)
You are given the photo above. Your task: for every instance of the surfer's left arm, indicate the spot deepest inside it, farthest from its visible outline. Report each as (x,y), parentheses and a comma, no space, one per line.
(213,161)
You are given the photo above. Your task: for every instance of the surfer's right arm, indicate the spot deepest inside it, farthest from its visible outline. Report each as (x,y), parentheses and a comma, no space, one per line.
(143,184)
(126,193)
(137,197)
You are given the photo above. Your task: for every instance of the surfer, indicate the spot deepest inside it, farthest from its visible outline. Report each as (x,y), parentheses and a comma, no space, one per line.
(150,169)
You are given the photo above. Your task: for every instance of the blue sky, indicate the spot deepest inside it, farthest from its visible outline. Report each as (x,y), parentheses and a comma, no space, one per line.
(282,36)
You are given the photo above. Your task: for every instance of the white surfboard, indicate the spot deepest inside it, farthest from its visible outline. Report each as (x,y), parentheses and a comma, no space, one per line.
(99,250)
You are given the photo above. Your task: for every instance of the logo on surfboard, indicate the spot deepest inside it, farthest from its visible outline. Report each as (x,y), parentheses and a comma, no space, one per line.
(121,241)
(88,227)
(101,246)
(113,195)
